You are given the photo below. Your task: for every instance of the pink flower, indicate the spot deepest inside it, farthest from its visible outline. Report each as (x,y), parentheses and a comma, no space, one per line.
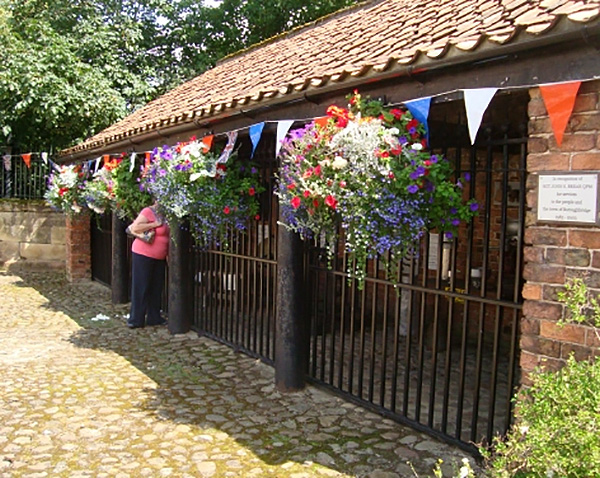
(331,201)
(226,210)
(251,191)
(296,202)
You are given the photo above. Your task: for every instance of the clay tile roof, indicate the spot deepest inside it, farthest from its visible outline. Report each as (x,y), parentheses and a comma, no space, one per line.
(368,39)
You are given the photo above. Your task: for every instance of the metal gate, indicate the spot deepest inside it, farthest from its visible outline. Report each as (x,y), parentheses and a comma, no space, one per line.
(235,289)
(439,352)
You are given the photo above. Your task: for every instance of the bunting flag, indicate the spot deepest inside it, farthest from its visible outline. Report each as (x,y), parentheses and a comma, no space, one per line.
(207,143)
(147,157)
(255,132)
(27,159)
(282,130)
(476,102)
(322,121)
(7,162)
(559,100)
(44,157)
(105,158)
(98,159)
(420,110)
(231,139)
(132,161)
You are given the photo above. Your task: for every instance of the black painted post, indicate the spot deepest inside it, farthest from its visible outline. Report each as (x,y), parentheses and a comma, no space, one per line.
(291,346)
(119,271)
(180,284)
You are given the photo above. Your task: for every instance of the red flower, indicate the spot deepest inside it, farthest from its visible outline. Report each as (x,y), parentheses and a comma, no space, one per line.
(317,170)
(193,138)
(397,113)
(331,201)
(397,150)
(391,175)
(62,191)
(221,167)
(226,210)
(257,217)
(315,202)
(291,186)
(306,193)
(296,202)
(251,191)
(342,184)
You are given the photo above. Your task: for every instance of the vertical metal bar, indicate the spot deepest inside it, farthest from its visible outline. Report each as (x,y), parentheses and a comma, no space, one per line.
(396,344)
(499,288)
(361,353)
(481,318)
(466,309)
(334,297)
(434,340)
(421,345)
(384,325)
(517,288)
(326,300)
(408,343)
(342,336)
(373,341)
(351,336)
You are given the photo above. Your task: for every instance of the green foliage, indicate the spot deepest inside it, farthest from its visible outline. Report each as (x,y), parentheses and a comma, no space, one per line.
(557,433)
(128,195)
(557,428)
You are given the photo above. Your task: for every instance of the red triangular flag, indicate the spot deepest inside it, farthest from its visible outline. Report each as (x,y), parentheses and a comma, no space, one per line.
(207,143)
(27,159)
(147,155)
(106,158)
(322,121)
(560,99)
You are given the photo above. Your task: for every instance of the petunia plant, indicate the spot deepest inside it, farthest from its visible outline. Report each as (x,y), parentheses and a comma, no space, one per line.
(128,194)
(66,189)
(215,195)
(367,170)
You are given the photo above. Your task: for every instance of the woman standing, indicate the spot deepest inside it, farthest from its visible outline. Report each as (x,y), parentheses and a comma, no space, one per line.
(148,269)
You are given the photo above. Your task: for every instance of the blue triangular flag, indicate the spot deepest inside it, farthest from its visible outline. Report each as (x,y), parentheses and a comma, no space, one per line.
(255,135)
(420,110)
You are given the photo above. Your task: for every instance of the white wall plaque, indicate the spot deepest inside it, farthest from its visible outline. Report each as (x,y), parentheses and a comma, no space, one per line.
(568,198)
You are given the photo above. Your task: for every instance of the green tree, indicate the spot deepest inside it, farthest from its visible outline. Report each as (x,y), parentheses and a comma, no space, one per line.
(71,68)
(202,34)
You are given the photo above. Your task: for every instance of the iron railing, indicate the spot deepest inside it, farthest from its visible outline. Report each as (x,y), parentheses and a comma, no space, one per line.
(22,182)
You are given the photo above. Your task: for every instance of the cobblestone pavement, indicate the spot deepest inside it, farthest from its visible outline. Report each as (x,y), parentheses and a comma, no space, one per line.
(81,395)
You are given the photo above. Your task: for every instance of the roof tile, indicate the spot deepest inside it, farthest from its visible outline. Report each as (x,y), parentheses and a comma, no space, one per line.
(367,39)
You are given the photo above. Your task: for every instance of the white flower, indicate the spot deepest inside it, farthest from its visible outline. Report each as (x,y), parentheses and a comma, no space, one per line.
(193,149)
(417,146)
(339,163)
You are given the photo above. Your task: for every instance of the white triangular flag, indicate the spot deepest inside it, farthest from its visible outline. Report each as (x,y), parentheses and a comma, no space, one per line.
(476,102)
(132,159)
(45,158)
(282,130)
(7,162)
(98,159)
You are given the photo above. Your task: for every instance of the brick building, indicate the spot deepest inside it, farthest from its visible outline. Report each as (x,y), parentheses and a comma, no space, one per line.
(473,316)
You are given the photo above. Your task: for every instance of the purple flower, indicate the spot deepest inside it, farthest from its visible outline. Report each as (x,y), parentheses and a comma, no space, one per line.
(467,177)
(449,235)
(434,158)
(455,222)
(417,173)
(474,206)
(413,188)
(453,210)
(402,140)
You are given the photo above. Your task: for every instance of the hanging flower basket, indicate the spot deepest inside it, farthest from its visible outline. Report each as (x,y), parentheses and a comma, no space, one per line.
(128,196)
(215,196)
(66,189)
(366,171)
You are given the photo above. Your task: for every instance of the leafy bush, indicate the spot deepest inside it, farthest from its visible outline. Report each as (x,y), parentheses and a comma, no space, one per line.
(557,428)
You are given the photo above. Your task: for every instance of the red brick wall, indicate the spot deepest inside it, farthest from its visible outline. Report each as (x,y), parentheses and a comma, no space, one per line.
(79,254)
(555,253)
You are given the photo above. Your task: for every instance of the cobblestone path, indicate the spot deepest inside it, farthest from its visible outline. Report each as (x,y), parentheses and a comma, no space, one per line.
(81,395)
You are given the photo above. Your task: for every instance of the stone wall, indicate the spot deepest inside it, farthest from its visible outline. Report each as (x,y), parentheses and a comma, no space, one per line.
(31,235)
(555,253)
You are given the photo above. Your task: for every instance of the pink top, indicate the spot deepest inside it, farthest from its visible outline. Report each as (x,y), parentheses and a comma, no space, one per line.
(160,246)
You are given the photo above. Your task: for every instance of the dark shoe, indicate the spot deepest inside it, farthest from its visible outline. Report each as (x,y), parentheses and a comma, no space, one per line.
(162,322)
(133,326)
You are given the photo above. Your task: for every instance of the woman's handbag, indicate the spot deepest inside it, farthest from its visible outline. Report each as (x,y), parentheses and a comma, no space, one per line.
(146,236)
